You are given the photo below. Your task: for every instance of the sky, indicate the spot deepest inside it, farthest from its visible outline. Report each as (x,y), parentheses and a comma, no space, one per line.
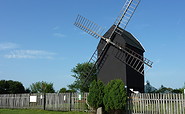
(38,41)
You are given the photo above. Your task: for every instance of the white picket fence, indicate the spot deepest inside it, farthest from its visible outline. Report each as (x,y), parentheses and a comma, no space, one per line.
(156,103)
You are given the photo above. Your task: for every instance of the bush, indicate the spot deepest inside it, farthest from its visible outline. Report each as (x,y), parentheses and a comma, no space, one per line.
(115,96)
(95,97)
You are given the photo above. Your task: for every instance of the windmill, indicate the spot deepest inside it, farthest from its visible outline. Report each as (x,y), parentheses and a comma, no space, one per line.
(119,55)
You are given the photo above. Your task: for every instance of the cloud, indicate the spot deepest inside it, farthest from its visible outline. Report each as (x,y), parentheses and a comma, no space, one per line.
(29,54)
(8,45)
(56,28)
(59,35)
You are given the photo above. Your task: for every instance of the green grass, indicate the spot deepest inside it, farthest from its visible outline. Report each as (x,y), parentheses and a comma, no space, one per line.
(30,111)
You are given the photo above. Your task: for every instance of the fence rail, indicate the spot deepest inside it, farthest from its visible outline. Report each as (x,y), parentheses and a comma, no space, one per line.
(156,103)
(137,103)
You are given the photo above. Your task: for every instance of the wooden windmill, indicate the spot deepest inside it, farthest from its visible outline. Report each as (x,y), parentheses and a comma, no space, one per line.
(119,55)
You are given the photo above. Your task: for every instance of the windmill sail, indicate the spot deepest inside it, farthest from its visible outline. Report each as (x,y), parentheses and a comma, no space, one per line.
(89,26)
(126,13)
(133,59)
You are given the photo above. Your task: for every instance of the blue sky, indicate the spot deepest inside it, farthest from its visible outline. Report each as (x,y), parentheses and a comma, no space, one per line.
(38,41)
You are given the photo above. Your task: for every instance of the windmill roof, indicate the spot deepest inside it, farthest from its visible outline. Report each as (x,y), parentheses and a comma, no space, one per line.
(131,40)
(128,37)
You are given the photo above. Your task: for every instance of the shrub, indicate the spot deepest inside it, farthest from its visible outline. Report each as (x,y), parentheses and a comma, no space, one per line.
(95,97)
(115,96)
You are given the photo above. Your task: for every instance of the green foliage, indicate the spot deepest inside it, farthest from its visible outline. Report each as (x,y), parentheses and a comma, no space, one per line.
(163,89)
(115,95)
(80,71)
(96,93)
(178,90)
(42,87)
(27,90)
(64,90)
(11,87)
(71,91)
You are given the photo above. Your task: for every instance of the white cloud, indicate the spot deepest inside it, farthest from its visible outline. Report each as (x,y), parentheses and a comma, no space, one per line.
(29,54)
(8,45)
(59,35)
(56,28)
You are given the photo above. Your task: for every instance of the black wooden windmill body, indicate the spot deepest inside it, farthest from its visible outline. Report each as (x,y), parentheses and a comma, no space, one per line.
(119,55)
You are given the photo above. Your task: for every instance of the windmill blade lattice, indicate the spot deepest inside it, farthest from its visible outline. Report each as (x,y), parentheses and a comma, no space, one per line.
(133,59)
(89,26)
(126,13)
(89,71)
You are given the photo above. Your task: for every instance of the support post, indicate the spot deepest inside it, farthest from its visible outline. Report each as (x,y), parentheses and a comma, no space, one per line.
(44,101)
(70,101)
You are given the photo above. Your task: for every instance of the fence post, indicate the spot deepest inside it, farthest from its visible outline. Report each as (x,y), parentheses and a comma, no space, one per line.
(70,101)
(44,101)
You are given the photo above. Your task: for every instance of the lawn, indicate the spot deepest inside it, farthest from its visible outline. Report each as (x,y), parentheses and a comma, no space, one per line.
(29,111)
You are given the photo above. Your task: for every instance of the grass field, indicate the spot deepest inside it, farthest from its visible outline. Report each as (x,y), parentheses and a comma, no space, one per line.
(29,111)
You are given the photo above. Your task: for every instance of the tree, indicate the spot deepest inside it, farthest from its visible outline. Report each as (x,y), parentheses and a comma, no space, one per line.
(180,90)
(70,91)
(177,90)
(80,74)
(163,89)
(96,93)
(42,87)
(64,90)
(115,97)
(27,90)
(11,87)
